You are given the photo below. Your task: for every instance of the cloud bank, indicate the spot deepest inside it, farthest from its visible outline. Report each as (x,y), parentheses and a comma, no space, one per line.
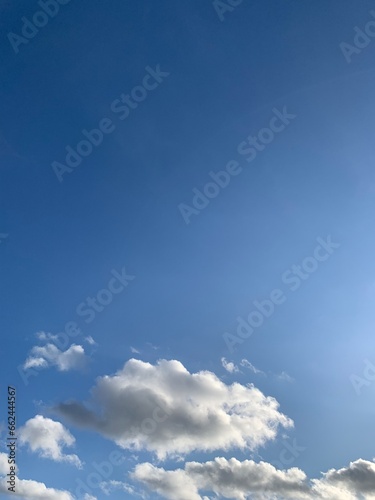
(237,480)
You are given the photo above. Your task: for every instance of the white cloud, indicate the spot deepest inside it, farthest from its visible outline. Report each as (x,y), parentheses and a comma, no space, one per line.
(170,484)
(43,335)
(134,350)
(90,340)
(33,490)
(285,376)
(241,480)
(50,355)
(349,482)
(229,366)
(155,347)
(4,467)
(108,487)
(183,411)
(250,366)
(27,489)
(281,376)
(48,437)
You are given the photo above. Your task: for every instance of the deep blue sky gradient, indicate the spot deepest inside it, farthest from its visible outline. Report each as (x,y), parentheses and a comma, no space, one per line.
(119,207)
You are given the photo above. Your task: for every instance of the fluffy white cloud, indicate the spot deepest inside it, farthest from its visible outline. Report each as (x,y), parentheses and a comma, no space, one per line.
(170,484)
(349,482)
(241,480)
(27,489)
(165,409)
(49,355)
(48,437)
(229,366)
(33,490)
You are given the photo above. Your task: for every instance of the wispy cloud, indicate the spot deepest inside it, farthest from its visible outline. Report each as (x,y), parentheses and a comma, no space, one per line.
(229,366)
(74,358)
(285,376)
(90,340)
(246,364)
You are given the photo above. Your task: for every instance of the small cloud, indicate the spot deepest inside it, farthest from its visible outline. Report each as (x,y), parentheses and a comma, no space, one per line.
(285,376)
(246,364)
(109,486)
(90,340)
(155,347)
(43,336)
(34,362)
(229,366)
(48,437)
(73,358)
(134,350)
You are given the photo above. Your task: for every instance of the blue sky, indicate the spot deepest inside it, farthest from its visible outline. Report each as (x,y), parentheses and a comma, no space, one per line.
(217,77)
